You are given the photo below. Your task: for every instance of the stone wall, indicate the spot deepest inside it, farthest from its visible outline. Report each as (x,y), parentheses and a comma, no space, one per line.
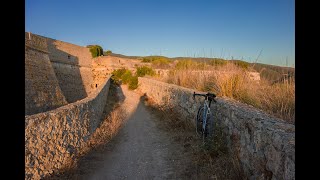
(42,91)
(53,138)
(73,68)
(265,146)
(72,80)
(36,42)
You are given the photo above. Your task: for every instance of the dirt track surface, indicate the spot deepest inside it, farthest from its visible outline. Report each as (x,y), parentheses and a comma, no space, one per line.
(140,150)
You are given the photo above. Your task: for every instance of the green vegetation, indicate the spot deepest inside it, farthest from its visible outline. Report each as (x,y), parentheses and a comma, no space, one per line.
(108,53)
(95,50)
(125,76)
(133,84)
(145,70)
(160,62)
(117,75)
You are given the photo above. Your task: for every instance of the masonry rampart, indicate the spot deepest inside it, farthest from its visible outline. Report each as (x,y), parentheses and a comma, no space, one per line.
(42,90)
(54,138)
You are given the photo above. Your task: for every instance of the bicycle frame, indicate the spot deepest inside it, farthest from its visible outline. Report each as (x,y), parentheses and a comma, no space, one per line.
(209,97)
(206,112)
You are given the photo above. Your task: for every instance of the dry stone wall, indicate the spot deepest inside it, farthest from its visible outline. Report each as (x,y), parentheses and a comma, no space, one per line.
(264,146)
(53,138)
(42,90)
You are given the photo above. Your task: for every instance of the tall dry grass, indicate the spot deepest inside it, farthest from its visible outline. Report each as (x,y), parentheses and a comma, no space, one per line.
(234,82)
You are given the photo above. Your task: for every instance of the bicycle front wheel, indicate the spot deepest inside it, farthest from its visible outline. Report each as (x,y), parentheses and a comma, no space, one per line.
(209,126)
(208,132)
(199,120)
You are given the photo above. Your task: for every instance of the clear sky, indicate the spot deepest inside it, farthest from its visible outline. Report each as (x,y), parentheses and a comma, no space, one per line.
(172,28)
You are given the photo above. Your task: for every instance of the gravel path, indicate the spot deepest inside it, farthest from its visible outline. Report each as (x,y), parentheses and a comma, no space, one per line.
(139,151)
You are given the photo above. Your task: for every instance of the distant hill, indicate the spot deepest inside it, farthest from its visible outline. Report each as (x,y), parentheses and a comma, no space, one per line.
(123,56)
(269,72)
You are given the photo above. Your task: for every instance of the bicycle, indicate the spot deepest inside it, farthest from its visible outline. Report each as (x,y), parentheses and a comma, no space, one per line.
(204,118)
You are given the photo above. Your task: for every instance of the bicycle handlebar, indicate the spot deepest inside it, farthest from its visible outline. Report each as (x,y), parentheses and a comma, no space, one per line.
(209,96)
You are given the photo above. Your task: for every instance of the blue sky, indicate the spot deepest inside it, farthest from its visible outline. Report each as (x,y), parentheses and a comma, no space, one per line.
(224,28)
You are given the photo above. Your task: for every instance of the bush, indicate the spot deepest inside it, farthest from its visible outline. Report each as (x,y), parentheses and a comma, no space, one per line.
(145,70)
(108,53)
(95,50)
(133,84)
(125,76)
(117,74)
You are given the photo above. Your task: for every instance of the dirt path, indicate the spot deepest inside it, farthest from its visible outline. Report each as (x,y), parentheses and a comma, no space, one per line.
(140,150)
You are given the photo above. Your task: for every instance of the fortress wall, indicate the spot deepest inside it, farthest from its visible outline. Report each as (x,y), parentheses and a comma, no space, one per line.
(72,66)
(72,80)
(60,50)
(42,91)
(264,146)
(53,138)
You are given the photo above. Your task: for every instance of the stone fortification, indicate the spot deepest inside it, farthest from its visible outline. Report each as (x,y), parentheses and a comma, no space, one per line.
(42,90)
(53,138)
(73,68)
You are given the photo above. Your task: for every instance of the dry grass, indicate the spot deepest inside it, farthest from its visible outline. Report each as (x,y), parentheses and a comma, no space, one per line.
(208,161)
(234,82)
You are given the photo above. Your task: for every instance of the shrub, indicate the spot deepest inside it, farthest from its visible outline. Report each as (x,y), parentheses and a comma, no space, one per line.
(145,70)
(108,53)
(133,84)
(125,76)
(117,74)
(95,50)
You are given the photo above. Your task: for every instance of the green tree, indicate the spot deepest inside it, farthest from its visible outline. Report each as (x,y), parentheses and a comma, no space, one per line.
(95,50)
(108,53)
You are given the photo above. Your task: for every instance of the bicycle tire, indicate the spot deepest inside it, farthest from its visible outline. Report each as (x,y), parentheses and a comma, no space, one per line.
(209,125)
(199,120)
